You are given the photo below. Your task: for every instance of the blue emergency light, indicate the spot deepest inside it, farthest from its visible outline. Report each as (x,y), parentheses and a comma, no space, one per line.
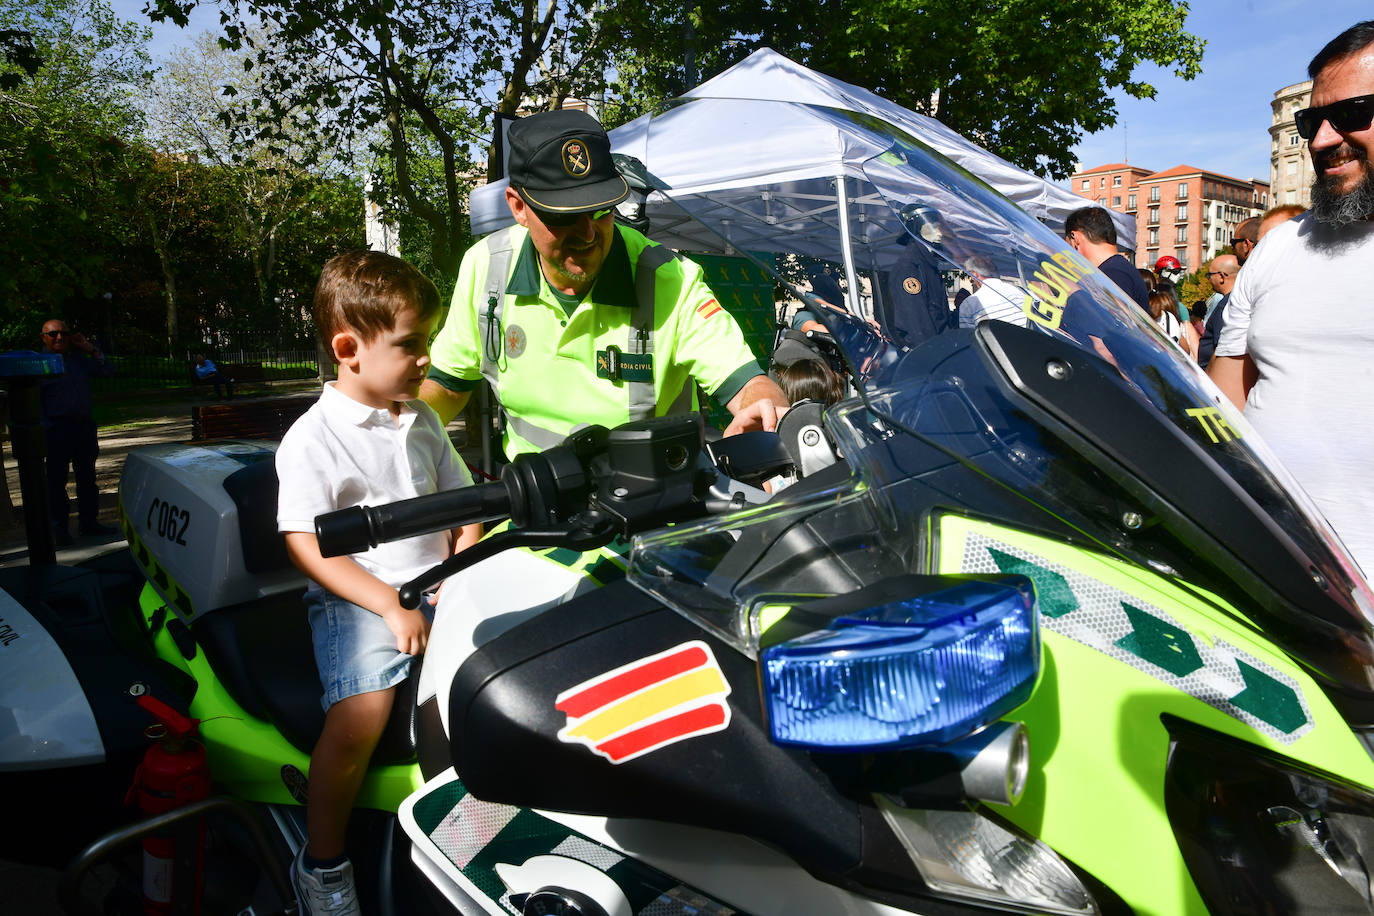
(920,671)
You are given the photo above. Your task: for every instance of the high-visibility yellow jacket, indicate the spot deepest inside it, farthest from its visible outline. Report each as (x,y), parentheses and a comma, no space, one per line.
(636,346)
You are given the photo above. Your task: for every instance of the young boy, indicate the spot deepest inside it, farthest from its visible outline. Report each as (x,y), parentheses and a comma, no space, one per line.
(367,441)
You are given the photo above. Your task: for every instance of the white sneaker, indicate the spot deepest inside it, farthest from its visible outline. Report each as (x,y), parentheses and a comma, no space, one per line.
(323,891)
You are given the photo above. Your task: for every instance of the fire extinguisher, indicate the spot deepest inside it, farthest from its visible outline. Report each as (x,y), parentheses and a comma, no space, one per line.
(173,773)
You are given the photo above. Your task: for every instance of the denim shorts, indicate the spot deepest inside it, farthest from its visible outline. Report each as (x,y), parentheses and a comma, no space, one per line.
(354,650)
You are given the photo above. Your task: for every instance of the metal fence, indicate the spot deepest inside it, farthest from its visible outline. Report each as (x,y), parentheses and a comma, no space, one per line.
(277,361)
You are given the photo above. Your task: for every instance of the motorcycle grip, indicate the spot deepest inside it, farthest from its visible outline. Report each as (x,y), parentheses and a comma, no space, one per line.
(355,529)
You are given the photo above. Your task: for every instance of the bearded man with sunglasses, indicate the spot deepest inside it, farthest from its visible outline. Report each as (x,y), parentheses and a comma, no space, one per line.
(573,319)
(1297,349)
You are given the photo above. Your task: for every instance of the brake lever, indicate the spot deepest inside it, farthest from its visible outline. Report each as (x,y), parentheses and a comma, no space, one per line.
(585,531)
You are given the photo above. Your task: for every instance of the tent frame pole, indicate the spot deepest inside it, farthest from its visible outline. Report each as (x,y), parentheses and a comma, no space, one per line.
(842,202)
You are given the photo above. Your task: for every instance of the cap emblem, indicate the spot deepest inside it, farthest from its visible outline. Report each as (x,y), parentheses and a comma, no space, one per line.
(577,162)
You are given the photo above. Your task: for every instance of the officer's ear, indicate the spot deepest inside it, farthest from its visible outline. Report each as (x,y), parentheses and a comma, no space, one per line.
(345,347)
(518,208)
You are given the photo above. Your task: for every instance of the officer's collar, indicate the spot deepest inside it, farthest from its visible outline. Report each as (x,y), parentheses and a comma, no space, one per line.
(614,284)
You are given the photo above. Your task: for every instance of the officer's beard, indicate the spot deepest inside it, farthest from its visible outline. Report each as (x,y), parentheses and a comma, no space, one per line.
(1335,210)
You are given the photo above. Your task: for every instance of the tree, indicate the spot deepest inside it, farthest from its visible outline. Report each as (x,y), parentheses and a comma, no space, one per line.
(1023,78)
(68,73)
(197,107)
(414,82)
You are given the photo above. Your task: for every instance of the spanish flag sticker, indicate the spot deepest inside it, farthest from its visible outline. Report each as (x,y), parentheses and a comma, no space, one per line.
(648,704)
(708,308)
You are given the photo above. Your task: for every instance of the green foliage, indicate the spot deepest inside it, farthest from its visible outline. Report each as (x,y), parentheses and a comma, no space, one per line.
(1195,286)
(1024,78)
(411,84)
(67,79)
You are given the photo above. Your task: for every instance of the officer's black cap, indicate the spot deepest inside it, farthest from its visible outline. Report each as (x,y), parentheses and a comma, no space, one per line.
(560,162)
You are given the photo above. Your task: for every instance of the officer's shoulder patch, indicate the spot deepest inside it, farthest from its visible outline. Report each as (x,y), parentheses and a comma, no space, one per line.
(912,285)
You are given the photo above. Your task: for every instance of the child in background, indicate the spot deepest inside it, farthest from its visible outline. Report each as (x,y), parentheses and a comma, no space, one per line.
(810,379)
(368,440)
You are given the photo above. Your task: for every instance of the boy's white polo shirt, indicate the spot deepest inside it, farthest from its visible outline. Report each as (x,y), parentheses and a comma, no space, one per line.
(343,453)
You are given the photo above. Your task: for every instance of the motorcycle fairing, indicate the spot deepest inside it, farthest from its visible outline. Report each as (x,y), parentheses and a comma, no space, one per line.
(472,843)
(505,695)
(1103,625)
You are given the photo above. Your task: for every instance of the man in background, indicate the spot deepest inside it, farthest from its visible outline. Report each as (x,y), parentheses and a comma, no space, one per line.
(71,430)
(1221,274)
(1089,231)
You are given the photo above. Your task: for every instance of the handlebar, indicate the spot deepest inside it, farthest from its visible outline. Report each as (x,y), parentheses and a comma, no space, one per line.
(355,529)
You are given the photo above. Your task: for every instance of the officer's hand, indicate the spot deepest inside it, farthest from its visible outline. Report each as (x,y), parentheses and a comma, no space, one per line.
(761,414)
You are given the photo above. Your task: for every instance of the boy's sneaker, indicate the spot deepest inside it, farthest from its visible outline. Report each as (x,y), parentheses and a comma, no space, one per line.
(323,891)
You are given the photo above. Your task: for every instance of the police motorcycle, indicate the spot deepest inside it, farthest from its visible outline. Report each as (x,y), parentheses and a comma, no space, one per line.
(1041,627)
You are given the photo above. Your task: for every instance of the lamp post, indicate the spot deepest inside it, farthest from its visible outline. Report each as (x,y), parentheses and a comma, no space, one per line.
(109,319)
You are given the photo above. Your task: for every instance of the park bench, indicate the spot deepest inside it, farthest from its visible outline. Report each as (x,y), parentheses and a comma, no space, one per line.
(238,372)
(252,418)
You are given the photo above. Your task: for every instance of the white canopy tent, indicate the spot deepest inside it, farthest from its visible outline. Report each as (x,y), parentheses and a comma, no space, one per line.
(701,145)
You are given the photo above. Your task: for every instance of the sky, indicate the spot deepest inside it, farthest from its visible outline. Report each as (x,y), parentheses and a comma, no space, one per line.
(1218,121)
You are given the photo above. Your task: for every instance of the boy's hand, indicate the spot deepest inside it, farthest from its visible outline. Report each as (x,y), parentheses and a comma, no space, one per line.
(411,629)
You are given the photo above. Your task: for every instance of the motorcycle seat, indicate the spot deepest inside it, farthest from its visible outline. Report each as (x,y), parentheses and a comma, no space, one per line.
(262,653)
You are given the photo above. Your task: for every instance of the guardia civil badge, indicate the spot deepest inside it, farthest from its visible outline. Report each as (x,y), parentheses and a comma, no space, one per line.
(515,341)
(577,162)
(912,285)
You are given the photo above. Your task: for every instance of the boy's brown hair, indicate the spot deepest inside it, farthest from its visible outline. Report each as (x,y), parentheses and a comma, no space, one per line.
(364,291)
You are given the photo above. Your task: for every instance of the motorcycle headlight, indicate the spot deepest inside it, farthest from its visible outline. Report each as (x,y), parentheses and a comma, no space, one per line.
(912,670)
(1262,834)
(965,855)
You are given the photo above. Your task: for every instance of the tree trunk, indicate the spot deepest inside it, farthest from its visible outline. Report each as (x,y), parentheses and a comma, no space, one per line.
(169,282)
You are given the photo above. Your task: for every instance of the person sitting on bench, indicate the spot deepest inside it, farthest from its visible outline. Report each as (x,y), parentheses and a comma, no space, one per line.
(207,373)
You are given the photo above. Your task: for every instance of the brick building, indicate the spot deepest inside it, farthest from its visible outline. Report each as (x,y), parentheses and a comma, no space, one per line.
(1187,212)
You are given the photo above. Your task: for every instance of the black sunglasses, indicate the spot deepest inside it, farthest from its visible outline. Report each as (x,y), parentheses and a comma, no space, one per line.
(1354,113)
(57,334)
(564,220)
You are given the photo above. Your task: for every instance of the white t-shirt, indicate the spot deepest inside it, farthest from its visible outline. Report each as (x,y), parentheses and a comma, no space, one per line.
(1173,328)
(1305,314)
(342,453)
(996,300)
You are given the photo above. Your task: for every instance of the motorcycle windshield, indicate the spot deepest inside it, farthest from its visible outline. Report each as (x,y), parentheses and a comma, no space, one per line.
(870,215)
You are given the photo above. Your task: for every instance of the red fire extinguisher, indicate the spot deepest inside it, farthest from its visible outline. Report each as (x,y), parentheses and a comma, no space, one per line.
(173,773)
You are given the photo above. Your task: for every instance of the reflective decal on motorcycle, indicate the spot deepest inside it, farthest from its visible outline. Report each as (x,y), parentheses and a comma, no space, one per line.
(1137,633)
(1213,424)
(648,704)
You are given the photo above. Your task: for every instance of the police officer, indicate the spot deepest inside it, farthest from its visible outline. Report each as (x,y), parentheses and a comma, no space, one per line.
(573,319)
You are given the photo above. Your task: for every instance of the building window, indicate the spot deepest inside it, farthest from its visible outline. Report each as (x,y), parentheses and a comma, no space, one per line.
(1293,139)
(1218,234)
(1102,183)
(1087,183)
(1182,213)
(1293,167)
(1218,211)
(1182,255)
(1154,193)
(1116,201)
(1102,201)
(1292,197)
(1116,181)
(1182,190)
(1130,202)
(1154,236)
(1182,234)
(1154,214)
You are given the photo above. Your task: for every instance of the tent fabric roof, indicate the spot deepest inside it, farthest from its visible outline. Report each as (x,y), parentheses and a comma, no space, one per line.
(793,146)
